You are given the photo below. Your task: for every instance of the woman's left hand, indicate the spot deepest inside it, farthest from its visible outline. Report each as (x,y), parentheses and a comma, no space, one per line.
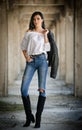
(46,31)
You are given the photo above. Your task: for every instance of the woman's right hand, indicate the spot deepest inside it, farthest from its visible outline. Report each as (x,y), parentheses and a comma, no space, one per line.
(29,59)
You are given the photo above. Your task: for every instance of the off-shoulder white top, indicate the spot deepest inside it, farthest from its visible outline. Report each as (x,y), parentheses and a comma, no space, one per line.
(33,42)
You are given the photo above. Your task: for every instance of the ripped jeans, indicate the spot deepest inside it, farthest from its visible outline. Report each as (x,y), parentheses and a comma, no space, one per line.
(40,64)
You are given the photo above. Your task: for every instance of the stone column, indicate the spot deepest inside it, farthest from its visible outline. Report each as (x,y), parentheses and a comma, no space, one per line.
(78,49)
(69,47)
(13,45)
(57,37)
(60,37)
(3,50)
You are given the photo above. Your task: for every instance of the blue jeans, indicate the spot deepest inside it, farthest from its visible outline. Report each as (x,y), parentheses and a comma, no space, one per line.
(40,64)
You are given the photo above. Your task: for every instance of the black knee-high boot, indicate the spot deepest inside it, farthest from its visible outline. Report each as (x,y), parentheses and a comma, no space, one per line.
(40,107)
(27,107)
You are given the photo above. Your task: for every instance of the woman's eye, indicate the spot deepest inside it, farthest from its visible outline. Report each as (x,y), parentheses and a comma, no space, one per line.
(37,18)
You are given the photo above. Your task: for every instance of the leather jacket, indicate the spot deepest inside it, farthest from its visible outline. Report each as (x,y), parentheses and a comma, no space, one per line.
(53,59)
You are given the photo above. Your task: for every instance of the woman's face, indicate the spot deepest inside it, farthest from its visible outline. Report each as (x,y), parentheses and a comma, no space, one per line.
(37,21)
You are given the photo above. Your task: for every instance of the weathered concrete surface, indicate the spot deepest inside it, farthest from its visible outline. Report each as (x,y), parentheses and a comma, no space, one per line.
(62,110)
(3,50)
(78,50)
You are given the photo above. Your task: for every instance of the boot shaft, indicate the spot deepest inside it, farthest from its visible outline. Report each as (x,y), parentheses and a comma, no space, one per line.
(40,104)
(40,107)
(27,105)
(28,112)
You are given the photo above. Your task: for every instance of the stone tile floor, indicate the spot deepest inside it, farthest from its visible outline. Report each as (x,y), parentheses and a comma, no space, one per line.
(62,110)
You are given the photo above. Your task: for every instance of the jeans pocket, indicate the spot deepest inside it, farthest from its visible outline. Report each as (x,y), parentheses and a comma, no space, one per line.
(30,61)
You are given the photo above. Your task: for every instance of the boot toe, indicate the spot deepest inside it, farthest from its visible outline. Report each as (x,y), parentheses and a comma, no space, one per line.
(37,126)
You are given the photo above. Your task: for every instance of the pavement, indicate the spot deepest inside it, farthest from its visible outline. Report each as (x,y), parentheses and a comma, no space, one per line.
(62,110)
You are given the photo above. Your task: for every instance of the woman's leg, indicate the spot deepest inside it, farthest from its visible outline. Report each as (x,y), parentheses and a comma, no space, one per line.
(42,74)
(28,112)
(28,74)
(27,77)
(40,107)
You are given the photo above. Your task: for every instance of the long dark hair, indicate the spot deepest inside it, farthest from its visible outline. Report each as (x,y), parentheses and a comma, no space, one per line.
(31,24)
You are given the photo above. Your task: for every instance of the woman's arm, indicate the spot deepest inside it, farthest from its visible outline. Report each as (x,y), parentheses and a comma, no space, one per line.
(45,35)
(27,57)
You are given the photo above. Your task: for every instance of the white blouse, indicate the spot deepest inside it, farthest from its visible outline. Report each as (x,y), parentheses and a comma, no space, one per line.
(33,43)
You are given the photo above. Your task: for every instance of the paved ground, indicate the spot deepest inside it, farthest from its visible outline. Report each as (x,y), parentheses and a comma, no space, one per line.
(62,110)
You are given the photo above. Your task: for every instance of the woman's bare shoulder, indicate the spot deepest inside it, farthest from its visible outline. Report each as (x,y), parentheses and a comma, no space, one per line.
(28,30)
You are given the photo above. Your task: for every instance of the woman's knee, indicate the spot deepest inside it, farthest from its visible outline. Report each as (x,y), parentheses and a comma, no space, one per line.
(42,94)
(24,92)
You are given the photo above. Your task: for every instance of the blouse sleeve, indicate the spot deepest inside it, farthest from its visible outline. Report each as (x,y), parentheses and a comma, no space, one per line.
(24,42)
(47,47)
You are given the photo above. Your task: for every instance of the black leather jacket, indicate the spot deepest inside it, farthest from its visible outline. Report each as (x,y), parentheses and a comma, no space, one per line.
(53,59)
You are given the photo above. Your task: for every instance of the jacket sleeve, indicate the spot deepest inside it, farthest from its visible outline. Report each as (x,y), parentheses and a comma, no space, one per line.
(54,59)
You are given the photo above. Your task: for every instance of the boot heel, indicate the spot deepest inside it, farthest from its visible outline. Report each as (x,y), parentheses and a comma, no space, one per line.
(32,118)
(27,123)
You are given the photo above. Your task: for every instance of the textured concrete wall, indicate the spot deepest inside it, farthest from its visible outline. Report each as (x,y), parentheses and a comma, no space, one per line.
(60,40)
(3,50)
(13,46)
(69,46)
(78,48)
(64,38)
(62,48)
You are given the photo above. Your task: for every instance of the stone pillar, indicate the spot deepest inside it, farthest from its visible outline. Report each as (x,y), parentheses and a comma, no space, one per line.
(60,37)
(23,27)
(69,47)
(58,44)
(3,50)
(13,45)
(78,49)
(10,47)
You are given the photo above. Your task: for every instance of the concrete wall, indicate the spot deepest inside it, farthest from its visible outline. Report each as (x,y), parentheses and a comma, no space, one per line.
(64,38)
(69,46)
(62,48)
(78,48)
(13,46)
(3,50)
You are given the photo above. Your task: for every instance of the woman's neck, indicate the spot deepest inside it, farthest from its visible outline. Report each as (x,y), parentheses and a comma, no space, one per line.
(38,29)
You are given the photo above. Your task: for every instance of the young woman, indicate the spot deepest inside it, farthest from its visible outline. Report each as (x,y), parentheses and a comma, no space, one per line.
(35,46)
